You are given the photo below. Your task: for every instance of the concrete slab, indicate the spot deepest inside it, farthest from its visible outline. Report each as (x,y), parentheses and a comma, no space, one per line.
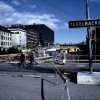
(86,78)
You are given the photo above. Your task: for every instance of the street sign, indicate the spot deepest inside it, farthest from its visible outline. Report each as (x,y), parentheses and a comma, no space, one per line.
(84,23)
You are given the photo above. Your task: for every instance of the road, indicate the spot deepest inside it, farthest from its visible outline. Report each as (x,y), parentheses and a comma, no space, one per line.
(18,83)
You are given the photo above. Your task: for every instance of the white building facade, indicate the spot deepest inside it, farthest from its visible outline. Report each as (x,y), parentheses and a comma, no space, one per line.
(19,38)
(5,38)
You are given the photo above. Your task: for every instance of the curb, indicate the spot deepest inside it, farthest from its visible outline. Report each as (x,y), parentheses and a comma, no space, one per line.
(86,78)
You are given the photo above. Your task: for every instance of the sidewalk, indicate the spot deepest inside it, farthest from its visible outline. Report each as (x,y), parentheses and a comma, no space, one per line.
(25,84)
(29,88)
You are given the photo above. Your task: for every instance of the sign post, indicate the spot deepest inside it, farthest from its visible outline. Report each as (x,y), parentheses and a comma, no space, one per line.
(86,23)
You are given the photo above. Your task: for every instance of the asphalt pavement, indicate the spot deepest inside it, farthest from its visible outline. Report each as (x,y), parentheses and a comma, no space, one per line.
(19,83)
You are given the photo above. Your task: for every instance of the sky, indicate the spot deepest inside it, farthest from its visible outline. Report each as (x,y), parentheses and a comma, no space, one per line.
(56,14)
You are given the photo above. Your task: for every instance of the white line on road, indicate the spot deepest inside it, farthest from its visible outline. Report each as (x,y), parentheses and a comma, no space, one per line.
(22,75)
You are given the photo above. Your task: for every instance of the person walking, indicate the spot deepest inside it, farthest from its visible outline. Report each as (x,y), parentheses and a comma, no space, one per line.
(31,58)
(65,53)
(22,58)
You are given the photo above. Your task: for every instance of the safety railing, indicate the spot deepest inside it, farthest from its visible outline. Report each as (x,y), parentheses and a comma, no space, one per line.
(65,85)
(82,58)
(75,58)
(9,57)
(71,58)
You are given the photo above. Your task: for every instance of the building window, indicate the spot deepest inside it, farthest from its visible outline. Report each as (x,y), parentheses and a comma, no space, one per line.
(1,42)
(17,32)
(2,37)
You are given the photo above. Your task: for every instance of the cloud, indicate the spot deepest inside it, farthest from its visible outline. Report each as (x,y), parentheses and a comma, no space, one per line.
(64,26)
(5,7)
(98,1)
(9,16)
(15,2)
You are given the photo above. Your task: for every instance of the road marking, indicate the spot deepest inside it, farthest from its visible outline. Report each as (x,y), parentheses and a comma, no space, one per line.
(3,74)
(22,75)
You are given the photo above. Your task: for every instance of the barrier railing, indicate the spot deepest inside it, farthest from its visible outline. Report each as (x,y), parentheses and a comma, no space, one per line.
(65,80)
(71,58)
(9,57)
(42,87)
(15,57)
(57,71)
(83,58)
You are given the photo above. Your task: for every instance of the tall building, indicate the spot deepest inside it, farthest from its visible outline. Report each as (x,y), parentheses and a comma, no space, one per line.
(46,35)
(31,35)
(37,34)
(5,37)
(96,41)
(18,37)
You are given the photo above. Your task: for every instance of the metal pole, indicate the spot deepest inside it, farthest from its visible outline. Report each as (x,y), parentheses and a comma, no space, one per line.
(89,39)
(67,90)
(56,76)
(42,89)
(95,44)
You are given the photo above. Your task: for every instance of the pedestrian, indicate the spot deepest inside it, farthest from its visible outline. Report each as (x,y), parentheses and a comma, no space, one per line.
(31,58)
(65,54)
(22,58)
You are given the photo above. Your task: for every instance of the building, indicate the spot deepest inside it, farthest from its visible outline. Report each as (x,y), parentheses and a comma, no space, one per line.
(96,41)
(37,35)
(46,35)
(18,37)
(95,44)
(71,48)
(5,38)
(32,38)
